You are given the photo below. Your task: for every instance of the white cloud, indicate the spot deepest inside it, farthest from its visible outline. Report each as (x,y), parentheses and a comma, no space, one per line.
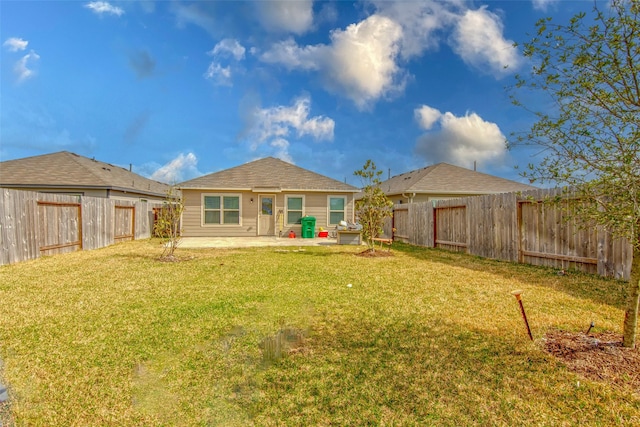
(279,121)
(177,170)
(542,4)
(427,116)
(281,147)
(360,62)
(15,44)
(286,16)
(460,140)
(478,39)
(194,13)
(272,126)
(103,7)
(21,68)
(229,47)
(292,56)
(218,74)
(420,21)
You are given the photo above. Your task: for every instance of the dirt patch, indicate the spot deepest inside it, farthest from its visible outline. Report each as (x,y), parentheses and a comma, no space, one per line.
(597,356)
(375,254)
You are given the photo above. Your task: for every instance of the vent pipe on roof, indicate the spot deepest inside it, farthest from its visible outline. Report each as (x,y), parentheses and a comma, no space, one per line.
(474,166)
(130,166)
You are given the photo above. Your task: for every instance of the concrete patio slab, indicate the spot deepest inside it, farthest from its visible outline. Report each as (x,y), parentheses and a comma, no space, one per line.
(248,242)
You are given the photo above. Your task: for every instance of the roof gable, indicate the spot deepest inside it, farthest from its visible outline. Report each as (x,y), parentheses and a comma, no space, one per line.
(66,169)
(449,179)
(267,173)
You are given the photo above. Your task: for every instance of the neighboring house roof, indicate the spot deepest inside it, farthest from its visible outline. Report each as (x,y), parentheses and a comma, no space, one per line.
(267,175)
(444,178)
(68,170)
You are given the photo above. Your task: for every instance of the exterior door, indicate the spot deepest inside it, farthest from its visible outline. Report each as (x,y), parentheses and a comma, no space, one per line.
(266,218)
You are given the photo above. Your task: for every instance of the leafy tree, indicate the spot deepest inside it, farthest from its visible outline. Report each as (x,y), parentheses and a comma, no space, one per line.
(167,224)
(374,206)
(589,131)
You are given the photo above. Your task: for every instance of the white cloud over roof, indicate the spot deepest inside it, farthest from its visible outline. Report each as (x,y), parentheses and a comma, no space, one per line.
(459,140)
(182,167)
(15,44)
(427,116)
(478,39)
(103,7)
(274,126)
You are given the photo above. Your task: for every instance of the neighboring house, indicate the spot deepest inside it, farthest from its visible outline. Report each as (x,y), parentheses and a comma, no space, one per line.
(266,197)
(445,181)
(68,173)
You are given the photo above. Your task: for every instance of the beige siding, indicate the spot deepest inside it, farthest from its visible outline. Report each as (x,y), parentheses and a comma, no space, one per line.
(98,192)
(315,204)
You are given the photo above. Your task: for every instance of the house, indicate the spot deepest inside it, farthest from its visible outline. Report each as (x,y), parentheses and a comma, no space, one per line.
(445,181)
(266,197)
(68,173)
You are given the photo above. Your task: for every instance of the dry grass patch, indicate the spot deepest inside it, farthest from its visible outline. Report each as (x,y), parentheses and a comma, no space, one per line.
(114,337)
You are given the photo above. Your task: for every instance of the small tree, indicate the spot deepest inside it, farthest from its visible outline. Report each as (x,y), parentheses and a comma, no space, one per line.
(167,224)
(374,206)
(589,132)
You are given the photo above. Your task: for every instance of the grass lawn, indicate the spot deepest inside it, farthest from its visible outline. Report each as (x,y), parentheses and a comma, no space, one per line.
(114,337)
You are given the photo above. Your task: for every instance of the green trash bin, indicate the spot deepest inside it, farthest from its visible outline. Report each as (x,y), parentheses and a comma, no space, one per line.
(308,227)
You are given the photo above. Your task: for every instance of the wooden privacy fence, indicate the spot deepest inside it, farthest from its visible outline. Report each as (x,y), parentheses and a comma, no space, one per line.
(34,224)
(513,227)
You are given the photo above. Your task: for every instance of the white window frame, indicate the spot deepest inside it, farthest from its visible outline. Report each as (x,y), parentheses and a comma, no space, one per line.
(222,196)
(329,223)
(286,207)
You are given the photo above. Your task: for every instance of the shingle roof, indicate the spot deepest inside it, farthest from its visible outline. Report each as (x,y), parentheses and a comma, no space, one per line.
(449,179)
(69,170)
(267,173)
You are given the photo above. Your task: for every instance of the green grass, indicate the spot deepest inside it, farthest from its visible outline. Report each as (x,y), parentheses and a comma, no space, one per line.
(114,337)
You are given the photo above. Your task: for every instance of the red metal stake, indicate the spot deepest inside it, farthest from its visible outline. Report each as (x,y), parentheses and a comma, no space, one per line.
(518,295)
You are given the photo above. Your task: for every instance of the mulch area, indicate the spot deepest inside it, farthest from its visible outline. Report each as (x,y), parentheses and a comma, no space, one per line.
(597,356)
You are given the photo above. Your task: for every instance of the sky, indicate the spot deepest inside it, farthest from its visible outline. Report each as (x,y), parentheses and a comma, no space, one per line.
(179,89)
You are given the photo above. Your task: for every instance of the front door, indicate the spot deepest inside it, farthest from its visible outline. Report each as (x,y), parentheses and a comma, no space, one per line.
(266,222)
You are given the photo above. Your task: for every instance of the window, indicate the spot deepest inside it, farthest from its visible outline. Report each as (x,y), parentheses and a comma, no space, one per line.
(337,207)
(294,209)
(221,209)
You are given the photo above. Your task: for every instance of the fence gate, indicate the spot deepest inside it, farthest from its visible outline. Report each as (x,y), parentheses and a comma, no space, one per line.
(60,227)
(450,224)
(124,224)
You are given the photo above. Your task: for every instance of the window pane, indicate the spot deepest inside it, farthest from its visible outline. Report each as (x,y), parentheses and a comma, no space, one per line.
(336,204)
(212,217)
(293,217)
(231,217)
(267,206)
(294,203)
(211,202)
(232,202)
(336,217)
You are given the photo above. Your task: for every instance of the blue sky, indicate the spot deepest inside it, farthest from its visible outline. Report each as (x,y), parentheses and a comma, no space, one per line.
(179,89)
